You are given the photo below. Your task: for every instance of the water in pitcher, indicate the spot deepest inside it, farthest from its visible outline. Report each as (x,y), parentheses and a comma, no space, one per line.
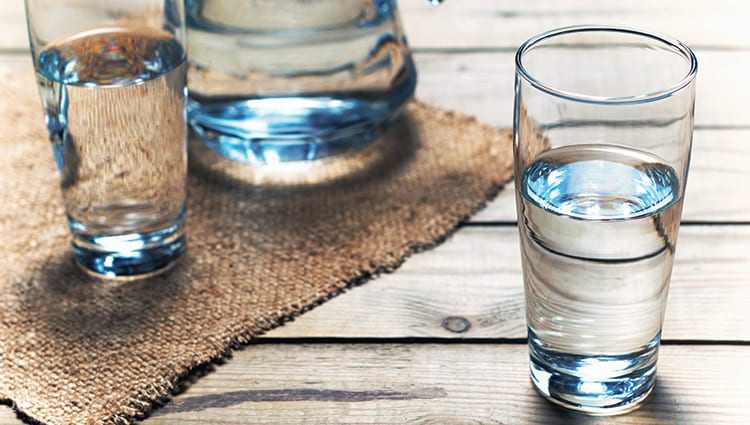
(114,101)
(274,81)
(598,227)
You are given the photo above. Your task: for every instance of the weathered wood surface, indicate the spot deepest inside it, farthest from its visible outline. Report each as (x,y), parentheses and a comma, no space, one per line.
(481,84)
(437,384)
(471,287)
(13,23)
(477,24)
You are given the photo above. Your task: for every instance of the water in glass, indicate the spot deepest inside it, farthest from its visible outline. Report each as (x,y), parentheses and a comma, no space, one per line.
(598,227)
(114,100)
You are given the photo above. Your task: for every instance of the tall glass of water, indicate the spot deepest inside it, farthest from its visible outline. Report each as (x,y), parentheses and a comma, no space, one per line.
(602,136)
(112,80)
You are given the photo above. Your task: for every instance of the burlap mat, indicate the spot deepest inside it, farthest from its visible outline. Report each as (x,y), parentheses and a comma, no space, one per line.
(262,248)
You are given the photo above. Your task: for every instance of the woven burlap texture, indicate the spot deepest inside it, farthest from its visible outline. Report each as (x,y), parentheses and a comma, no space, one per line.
(262,248)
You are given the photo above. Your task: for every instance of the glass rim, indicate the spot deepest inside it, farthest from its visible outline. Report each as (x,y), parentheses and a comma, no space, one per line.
(671,42)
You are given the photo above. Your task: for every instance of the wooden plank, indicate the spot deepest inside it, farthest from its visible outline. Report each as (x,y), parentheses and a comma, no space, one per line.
(481,84)
(506,24)
(719,160)
(471,287)
(13,35)
(490,23)
(7,417)
(439,384)
(493,23)
(436,384)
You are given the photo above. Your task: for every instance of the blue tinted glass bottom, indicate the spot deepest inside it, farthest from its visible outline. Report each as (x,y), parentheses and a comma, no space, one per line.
(130,256)
(275,130)
(599,385)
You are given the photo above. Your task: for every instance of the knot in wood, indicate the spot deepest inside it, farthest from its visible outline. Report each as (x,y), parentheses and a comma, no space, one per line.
(456,324)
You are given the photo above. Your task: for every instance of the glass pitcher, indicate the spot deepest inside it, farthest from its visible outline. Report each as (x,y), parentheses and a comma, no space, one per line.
(274,81)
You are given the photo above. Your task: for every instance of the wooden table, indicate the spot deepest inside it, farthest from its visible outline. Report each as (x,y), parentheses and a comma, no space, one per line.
(442,340)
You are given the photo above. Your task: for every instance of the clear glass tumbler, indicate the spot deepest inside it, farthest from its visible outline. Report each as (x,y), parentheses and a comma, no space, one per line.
(112,80)
(603,126)
(278,81)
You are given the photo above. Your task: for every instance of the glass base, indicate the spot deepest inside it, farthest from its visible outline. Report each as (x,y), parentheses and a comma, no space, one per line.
(594,385)
(129,256)
(297,128)
(293,129)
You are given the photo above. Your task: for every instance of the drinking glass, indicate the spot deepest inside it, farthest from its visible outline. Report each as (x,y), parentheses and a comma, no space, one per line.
(280,81)
(112,80)
(603,123)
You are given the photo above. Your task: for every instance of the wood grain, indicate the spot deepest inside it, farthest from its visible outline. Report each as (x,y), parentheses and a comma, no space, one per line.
(437,384)
(502,23)
(13,35)
(440,384)
(506,24)
(471,287)
(481,84)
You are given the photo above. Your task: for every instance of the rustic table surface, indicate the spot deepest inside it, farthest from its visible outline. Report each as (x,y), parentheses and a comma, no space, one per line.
(442,340)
